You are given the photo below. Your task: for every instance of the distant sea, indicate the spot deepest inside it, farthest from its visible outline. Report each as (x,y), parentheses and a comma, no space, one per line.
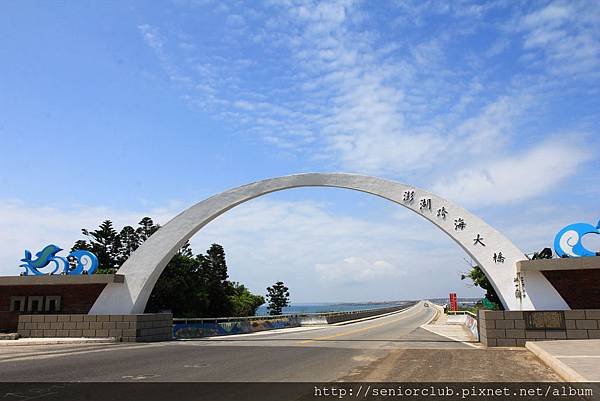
(344,307)
(330,307)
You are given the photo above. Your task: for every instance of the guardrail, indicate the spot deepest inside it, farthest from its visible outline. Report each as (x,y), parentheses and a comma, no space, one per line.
(184,328)
(462,312)
(228,319)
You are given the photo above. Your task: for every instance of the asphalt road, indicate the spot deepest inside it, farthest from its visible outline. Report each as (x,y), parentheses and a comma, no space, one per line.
(390,348)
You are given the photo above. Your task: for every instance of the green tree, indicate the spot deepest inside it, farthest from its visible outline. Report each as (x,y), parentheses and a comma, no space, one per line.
(213,275)
(189,286)
(278,297)
(130,241)
(479,279)
(105,244)
(243,302)
(178,289)
(146,228)
(113,248)
(186,250)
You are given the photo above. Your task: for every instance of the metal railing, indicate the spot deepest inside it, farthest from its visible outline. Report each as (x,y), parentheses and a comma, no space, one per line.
(462,312)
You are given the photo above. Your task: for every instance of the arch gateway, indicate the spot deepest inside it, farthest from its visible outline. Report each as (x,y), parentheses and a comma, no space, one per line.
(491,250)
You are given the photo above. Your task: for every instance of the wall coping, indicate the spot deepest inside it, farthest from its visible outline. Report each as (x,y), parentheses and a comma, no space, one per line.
(583,263)
(62,279)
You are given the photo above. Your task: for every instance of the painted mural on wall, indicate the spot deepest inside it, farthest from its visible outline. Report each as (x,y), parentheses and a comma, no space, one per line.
(567,242)
(210,329)
(471,325)
(48,262)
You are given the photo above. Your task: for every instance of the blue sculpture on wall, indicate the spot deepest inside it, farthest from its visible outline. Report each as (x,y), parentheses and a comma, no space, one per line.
(567,242)
(85,262)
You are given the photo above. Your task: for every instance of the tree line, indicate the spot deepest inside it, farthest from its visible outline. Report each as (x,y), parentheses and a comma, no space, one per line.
(190,285)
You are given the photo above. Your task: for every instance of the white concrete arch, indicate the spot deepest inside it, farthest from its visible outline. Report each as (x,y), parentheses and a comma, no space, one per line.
(145,265)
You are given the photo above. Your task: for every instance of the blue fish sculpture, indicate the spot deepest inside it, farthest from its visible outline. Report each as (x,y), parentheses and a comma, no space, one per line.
(44,258)
(567,242)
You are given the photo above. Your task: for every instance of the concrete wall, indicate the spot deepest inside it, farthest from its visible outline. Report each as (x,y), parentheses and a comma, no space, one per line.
(129,328)
(193,328)
(466,320)
(472,325)
(509,329)
(338,317)
(196,328)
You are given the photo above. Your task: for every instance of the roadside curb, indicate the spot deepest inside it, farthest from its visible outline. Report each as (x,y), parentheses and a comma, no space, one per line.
(438,310)
(564,371)
(9,336)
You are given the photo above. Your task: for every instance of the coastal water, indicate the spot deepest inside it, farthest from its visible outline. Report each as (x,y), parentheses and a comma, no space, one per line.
(343,307)
(329,307)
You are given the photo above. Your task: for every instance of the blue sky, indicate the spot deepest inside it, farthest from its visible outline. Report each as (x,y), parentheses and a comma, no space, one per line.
(125,109)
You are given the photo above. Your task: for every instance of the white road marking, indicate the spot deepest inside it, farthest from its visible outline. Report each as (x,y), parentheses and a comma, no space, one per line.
(577,356)
(141,377)
(29,357)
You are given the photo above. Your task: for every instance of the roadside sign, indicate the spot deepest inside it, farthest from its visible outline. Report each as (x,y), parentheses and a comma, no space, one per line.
(453,302)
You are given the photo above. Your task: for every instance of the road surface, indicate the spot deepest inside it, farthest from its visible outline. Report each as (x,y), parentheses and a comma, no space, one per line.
(390,348)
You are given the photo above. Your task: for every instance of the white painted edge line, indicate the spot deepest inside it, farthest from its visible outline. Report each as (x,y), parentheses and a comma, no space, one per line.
(437,310)
(563,370)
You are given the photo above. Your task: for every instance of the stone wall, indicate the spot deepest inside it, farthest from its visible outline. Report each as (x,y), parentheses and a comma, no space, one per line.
(127,328)
(75,299)
(510,328)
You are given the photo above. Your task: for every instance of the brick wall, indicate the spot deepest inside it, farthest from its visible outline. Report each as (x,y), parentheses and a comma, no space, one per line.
(509,328)
(130,328)
(75,299)
(579,288)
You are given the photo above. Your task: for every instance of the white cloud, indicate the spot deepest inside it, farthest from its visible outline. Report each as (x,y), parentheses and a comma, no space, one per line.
(492,128)
(320,254)
(356,270)
(518,176)
(327,85)
(566,34)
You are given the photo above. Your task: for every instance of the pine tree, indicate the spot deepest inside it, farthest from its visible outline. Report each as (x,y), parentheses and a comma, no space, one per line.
(105,244)
(189,286)
(146,228)
(278,298)
(130,241)
(213,275)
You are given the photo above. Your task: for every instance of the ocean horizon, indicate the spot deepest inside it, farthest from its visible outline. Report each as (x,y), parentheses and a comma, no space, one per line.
(323,307)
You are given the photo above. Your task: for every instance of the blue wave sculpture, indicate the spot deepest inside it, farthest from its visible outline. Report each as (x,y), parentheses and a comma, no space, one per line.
(567,242)
(86,262)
